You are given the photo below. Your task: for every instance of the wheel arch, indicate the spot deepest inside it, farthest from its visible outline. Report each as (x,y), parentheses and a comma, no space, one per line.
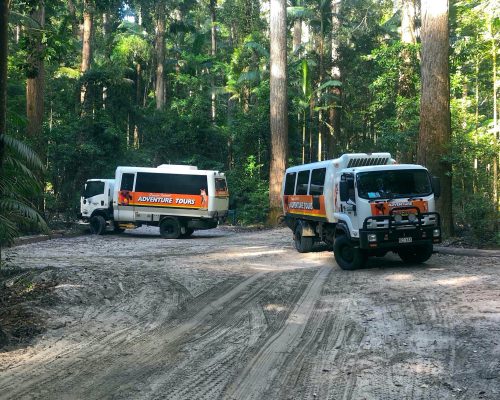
(341,229)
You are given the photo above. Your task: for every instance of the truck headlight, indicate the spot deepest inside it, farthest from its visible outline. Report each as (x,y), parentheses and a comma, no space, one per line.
(372,237)
(412,217)
(398,217)
(372,224)
(436,232)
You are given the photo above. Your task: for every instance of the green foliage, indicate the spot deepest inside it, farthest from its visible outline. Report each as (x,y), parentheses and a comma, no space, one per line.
(18,185)
(249,193)
(377,95)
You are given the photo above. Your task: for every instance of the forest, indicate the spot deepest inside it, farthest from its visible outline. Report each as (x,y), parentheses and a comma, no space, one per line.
(87,85)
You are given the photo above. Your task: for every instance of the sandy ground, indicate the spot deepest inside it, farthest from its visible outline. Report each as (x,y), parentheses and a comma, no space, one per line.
(242,315)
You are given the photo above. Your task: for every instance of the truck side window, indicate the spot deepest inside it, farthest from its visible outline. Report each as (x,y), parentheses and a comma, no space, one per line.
(290,183)
(93,188)
(127,182)
(350,184)
(171,183)
(302,182)
(317,181)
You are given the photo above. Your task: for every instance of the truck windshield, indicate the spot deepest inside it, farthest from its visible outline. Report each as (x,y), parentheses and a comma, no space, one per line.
(93,188)
(393,184)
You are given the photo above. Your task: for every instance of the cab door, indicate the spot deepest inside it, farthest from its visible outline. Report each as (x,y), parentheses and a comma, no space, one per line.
(349,207)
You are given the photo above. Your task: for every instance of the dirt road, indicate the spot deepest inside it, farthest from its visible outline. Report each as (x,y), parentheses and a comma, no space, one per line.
(242,315)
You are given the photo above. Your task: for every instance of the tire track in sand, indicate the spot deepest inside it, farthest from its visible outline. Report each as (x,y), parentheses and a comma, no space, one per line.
(255,379)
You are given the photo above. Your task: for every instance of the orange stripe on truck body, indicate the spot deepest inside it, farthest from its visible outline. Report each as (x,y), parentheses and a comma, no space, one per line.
(305,205)
(127,198)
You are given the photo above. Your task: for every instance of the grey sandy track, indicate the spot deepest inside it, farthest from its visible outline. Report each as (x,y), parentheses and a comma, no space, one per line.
(242,315)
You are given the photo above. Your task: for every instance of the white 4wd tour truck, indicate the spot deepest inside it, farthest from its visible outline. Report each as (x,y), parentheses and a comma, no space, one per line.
(178,198)
(363,205)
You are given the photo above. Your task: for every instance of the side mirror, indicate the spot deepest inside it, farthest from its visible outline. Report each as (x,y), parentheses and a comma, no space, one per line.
(436,186)
(344,191)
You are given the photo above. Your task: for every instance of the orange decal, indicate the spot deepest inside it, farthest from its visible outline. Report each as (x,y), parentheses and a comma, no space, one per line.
(384,207)
(221,193)
(168,200)
(305,205)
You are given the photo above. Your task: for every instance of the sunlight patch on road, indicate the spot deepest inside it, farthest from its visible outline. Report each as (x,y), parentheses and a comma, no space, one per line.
(461,281)
(255,253)
(400,277)
(67,285)
(426,368)
(275,307)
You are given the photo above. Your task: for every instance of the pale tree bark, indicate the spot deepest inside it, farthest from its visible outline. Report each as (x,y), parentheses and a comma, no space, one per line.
(35,82)
(435,120)
(334,112)
(408,14)
(321,44)
(88,21)
(213,52)
(406,88)
(297,32)
(496,127)
(160,55)
(278,103)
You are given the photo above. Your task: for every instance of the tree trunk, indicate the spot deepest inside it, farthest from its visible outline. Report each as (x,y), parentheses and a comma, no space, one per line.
(406,88)
(278,103)
(334,112)
(35,81)
(408,32)
(74,21)
(160,55)
(496,127)
(321,77)
(435,120)
(4,50)
(213,4)
(297,34)
(88,19)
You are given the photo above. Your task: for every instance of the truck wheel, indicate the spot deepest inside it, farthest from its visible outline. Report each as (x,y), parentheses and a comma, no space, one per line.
(188,233)
(170,228)
(303,244)
(97,225)
(416,254)
(347,256)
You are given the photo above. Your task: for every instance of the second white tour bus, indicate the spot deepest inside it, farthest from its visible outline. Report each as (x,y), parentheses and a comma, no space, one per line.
(179,199)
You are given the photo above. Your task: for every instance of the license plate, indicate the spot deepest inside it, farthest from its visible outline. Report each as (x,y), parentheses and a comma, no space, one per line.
(405,239)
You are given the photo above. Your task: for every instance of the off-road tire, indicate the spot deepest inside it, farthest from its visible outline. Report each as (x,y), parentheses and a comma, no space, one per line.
(303,244)
(97,225)
(416,254)
(170,228)
(347,256)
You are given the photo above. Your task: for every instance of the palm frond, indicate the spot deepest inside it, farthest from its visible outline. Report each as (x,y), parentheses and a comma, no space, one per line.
(9,206)
(23,150)
(258,48)
(8,230)
(330,83)
(16,164)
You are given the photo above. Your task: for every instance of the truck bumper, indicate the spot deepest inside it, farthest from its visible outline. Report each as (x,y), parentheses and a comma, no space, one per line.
(398,235)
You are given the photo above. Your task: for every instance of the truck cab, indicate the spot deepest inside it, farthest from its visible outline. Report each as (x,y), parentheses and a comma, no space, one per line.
(97,200)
